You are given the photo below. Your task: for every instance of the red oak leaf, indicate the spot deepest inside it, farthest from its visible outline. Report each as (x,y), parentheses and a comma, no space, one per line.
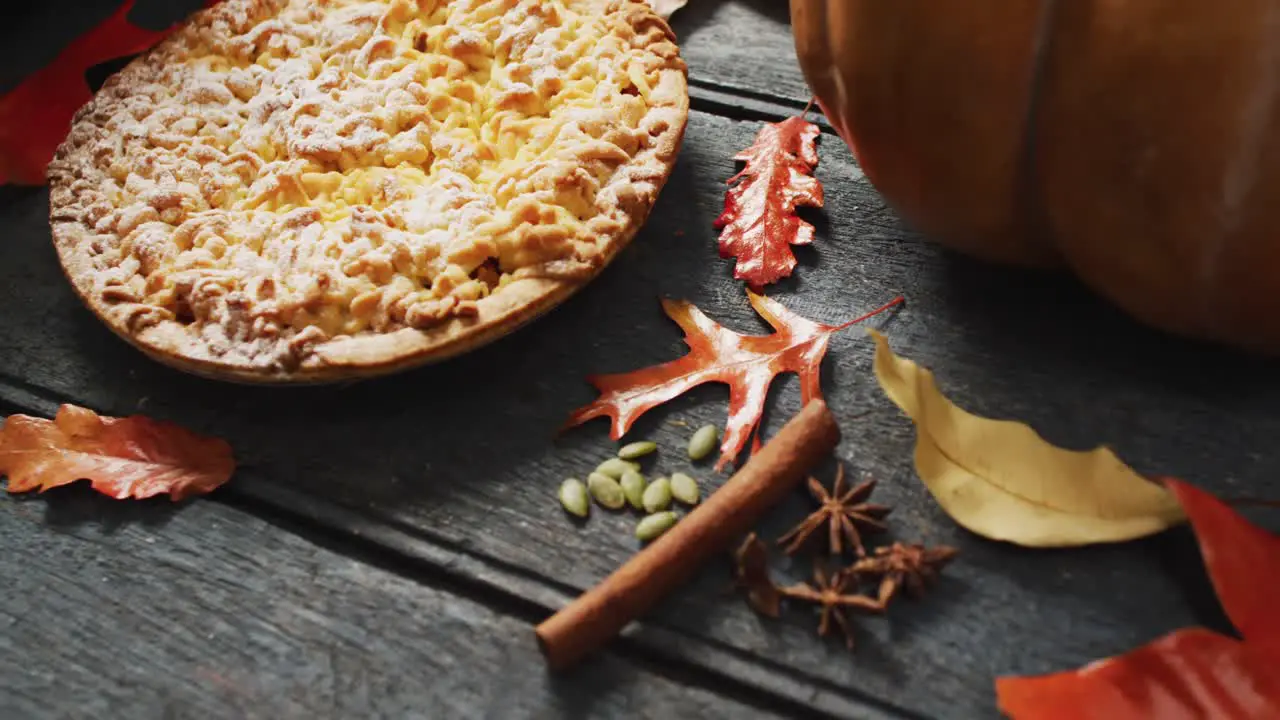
(747,363)
(1190,673)
(36,115)
(123,457)
(759,223)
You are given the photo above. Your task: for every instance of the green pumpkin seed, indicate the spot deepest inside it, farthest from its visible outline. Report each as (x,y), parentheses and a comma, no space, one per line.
(614,467)
(703,442)
(684,488)
(632,451)
(606,491)
(657,496)
(633,485)
(573,496)
(654,525)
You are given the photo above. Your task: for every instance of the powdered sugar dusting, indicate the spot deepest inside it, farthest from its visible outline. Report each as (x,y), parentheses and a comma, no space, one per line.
(280,173)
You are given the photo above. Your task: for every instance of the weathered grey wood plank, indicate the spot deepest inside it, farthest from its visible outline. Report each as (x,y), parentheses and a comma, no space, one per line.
(741,45)
(462,453)
(145,610)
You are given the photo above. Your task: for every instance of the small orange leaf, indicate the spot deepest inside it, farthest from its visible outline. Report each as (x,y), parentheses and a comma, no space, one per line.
(123,457)
(747,363)
(759,222)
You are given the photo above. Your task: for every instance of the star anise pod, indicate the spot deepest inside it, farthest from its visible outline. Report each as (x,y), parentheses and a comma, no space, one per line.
(899,566)
(751,572)
(846,514)
(835,593)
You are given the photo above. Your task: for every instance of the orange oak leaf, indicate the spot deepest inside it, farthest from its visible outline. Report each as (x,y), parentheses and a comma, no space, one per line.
(1193,672)
(126,457)
(747,363)
(36,115)
(759,225)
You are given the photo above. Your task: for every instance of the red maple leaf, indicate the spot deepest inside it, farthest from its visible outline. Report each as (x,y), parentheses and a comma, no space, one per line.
(122,457)
(747,363)
(759,223)
(1189,673)
(36,115)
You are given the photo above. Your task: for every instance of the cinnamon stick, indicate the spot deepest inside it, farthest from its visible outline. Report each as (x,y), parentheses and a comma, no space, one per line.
(632,590)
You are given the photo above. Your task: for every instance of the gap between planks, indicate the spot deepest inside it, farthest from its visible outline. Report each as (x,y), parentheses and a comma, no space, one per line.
(515,591)
(508,589)
(744,105)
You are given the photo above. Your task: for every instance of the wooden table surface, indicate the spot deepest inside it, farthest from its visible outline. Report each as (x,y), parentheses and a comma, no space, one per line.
(385,548)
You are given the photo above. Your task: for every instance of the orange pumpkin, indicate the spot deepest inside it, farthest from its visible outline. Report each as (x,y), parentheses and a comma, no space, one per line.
(1136,141)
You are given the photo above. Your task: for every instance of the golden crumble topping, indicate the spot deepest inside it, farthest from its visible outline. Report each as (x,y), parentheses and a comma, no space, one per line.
(280,177)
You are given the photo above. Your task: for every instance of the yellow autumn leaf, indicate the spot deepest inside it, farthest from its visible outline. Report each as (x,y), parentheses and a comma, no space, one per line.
(1001,480)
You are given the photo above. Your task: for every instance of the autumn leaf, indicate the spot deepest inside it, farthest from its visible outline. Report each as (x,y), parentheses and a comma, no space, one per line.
(122,457)
(759,224)
(36,115)
(666,8)
(1001,480)
(1189,673)
(747,363)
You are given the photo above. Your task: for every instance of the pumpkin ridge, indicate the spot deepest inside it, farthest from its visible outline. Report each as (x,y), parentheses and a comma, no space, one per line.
(1242,174)
(1141,138)
(1035,216)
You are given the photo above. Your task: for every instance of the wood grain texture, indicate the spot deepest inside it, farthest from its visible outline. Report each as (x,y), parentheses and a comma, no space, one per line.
(147,610)
(742,46)
(464,455)
(457,465)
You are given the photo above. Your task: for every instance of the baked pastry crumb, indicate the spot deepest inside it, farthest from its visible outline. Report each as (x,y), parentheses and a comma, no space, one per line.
(291,190)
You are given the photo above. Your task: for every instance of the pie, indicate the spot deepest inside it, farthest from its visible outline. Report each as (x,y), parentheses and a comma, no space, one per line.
(312,190)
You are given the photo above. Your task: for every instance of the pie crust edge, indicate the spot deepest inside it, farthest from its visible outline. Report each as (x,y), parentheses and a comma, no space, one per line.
(517,303)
